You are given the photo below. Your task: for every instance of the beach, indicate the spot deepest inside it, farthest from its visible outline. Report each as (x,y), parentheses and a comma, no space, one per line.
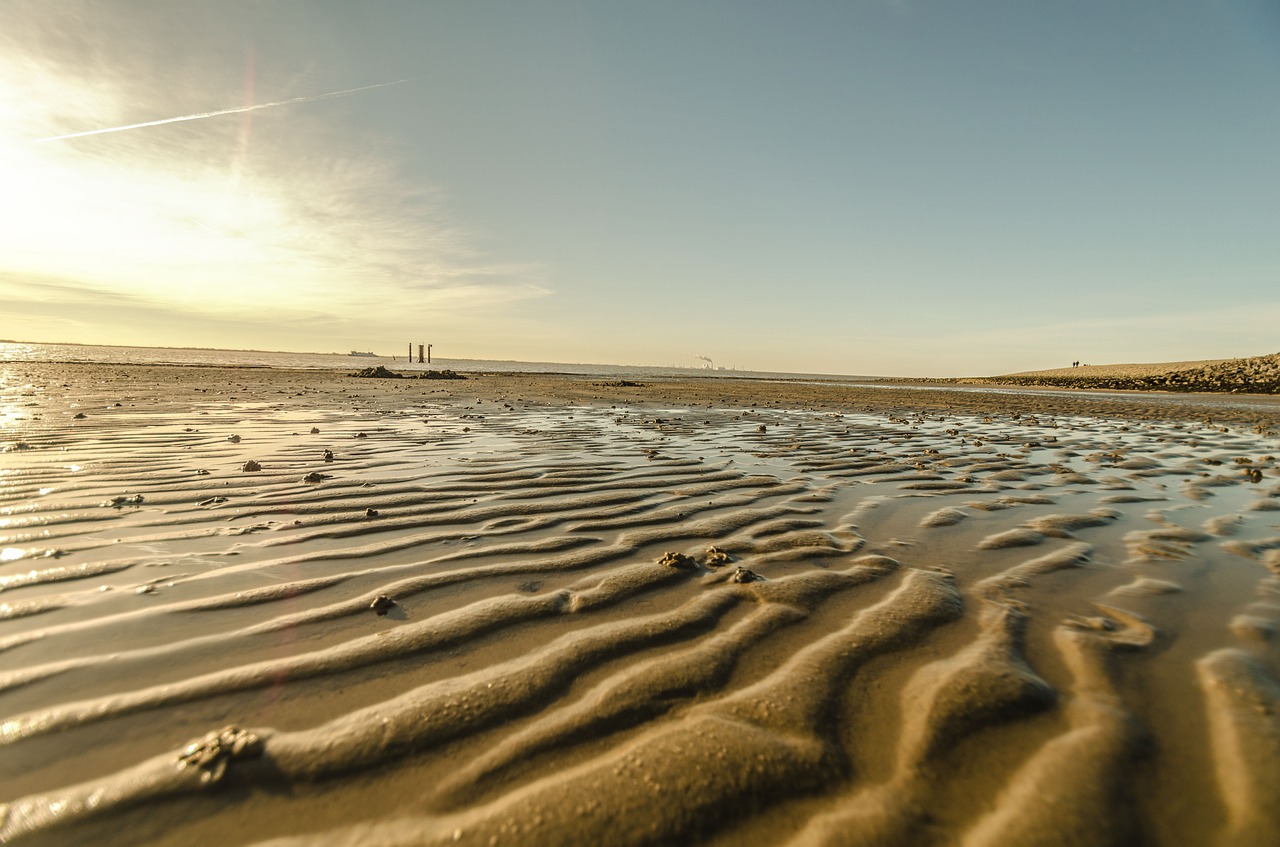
(264,606)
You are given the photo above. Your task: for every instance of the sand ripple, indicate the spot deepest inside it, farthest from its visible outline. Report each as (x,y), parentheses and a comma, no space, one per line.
(477,613)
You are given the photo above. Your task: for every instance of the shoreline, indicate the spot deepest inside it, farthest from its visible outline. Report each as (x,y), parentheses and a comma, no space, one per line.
(900,395)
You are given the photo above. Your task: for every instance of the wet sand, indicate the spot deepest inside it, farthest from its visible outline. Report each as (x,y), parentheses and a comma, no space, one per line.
(705,611)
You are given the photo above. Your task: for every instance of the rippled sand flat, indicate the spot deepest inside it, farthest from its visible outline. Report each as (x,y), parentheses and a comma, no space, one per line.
(720,612)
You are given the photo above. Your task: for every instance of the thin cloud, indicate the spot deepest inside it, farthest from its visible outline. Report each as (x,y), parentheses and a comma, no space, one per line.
(201,115)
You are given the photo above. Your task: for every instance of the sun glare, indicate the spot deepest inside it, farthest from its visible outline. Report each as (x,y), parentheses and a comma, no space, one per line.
(116,212)
(123,214)
(115,196)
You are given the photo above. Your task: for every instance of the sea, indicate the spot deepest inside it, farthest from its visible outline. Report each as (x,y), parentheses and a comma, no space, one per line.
(13,351)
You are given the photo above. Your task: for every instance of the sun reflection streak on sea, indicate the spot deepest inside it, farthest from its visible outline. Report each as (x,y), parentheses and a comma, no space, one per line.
(10,413)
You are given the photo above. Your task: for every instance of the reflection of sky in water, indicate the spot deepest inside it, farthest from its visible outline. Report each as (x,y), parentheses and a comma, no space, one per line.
(12,352)
(10,413)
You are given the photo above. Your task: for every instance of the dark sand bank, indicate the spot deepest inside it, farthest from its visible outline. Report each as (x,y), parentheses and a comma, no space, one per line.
(897,616)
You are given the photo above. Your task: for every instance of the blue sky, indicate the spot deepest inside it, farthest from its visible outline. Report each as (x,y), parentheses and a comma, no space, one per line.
(913,188)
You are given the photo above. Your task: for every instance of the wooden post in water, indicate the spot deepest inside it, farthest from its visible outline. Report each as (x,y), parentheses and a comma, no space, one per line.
(428,354)
(410,359)
(419,354)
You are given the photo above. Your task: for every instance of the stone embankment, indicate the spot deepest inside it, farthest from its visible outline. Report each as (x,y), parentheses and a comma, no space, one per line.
(1255,375)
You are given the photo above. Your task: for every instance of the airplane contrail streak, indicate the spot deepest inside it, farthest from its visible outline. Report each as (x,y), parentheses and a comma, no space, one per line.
(238,109)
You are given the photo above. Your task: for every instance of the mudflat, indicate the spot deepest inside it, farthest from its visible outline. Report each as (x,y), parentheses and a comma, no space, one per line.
(244,606)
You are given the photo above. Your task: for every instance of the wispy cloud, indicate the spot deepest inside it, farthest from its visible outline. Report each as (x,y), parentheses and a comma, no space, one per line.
(219,112)
(294,227)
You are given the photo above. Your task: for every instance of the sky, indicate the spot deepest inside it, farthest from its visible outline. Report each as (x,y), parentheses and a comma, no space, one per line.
(881,187)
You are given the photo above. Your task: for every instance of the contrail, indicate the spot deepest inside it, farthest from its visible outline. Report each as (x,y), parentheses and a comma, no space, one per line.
(238,109)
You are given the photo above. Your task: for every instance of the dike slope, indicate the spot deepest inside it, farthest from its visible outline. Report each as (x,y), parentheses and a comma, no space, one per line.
(1254,375)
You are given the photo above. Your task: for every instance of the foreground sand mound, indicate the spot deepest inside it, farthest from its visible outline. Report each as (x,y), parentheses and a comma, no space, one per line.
(629,618)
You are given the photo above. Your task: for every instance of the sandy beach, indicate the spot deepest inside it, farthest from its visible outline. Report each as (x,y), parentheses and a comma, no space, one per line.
(256,606)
